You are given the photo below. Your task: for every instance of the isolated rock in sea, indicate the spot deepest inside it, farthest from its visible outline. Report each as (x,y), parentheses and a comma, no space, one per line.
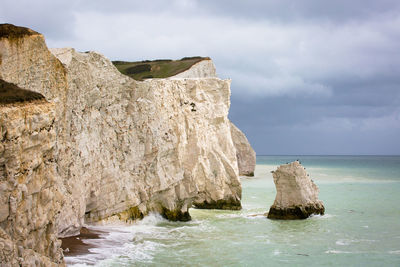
(29,198)
(202,69)
(296,196)
(245,154)
(125,148)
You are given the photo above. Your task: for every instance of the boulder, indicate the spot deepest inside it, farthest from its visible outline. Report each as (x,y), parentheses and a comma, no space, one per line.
(296,196)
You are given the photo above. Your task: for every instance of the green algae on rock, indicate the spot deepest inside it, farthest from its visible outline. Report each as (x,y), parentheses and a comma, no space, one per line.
(222,204)
(176,215)
(296,196)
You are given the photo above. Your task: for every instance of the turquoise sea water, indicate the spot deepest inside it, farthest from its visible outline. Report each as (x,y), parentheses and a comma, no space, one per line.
(361,226)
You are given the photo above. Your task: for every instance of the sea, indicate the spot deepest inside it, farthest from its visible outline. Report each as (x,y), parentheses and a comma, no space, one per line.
(361,225)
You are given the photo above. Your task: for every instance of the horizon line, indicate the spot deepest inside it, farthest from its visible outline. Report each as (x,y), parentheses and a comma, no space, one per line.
(372,155)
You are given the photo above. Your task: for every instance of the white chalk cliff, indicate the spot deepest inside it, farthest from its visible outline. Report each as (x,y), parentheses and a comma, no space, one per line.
(202,69)
(29,196)
(120,148)
(245,154)
(296,196)
(165,140)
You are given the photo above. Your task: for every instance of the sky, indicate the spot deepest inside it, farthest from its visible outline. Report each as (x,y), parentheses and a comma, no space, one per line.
(309,77)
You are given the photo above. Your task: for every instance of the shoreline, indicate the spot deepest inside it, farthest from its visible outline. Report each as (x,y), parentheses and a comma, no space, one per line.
(75,246)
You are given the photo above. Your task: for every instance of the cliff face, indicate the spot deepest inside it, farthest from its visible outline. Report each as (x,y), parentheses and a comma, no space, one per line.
(245,154)
(26,61)
(157,145)
(202,69)
(29,197)
(124,148)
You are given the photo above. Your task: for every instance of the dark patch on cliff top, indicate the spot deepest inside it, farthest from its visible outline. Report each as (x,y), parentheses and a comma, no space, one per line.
(160,68)
(13,32)
(11,93)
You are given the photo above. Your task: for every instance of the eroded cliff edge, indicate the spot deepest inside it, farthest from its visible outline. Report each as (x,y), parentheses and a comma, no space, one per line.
(29,196)
(245,154)
(125,148)
(165,140)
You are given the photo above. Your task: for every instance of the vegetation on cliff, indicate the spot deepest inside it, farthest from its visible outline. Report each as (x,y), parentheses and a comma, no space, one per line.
(10,93)
(12,32)
(160,68)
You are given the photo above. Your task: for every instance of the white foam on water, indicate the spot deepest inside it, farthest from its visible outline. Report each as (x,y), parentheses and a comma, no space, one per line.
(276,252)
(325,216)
(255,216)
(338,252)
(125,242)
(229,216)
(397,252)
(344,242)
(151,219)
(347,242)
(249,216)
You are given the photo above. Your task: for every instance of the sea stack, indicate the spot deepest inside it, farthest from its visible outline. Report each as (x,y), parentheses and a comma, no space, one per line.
(296,196)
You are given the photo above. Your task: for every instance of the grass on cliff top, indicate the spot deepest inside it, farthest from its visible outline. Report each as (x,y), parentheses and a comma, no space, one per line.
(11,93)
(160,68)
(13,32)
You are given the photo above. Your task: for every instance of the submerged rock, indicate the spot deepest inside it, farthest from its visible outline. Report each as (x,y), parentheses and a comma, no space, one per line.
(296,196)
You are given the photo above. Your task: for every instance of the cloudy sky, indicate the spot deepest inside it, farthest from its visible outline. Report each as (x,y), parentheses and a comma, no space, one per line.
(308,76)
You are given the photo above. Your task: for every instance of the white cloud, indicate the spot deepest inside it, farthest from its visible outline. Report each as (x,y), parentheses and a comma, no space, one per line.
(279,85)
(262,57)
(335,60)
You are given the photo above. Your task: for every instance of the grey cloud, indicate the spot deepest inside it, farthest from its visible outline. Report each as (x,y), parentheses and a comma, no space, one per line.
(307,76)
(339,11)
(54,19)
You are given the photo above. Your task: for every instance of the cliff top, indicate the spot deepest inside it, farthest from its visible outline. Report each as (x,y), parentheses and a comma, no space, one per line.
(11,93)
(12,32)
(160,68)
